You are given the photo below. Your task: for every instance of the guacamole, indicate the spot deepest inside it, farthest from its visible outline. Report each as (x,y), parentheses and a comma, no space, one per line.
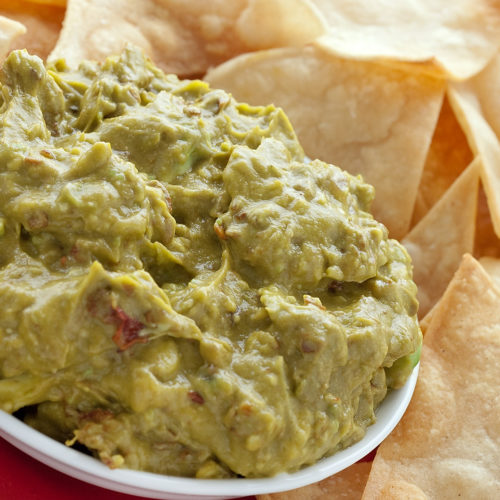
(182,290)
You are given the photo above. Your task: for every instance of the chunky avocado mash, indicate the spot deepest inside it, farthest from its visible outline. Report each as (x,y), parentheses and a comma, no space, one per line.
(182,290)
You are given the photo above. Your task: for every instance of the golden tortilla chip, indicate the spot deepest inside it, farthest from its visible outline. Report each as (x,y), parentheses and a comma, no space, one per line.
(483,142)
(457,39)
(492,266)
(184,37)
(478,101)
(446,445)
(9,31)
(485,86)
(346,485)
(448,156)
(437,243)
(367,118)
(425,321)
(486,242)
(59,3)
(43,23)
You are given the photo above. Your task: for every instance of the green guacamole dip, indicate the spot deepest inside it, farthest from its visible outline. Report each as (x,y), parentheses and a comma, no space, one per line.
(183,291)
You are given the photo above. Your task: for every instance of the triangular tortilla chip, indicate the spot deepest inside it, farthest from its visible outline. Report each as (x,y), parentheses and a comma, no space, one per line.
(486,242)
(448,156)
(345,485)
(457,39)
(43,23)
(485,86)
(367,118)
(492,267)
(184,37)
(59,3)
(437,243)
(9,31)
(482,140)
(446,445)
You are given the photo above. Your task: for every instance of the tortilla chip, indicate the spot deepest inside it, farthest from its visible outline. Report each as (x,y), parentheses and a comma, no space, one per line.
(437,243)
(402,490)
(485,86)
(43,23)
(426,320)
(346,485)
(184,37)
(9,31)
(59,3)
(486,242)
(367,118)
(446,444)
(492,266)
(479,103)
(483,142)
(455,39)
(448,156)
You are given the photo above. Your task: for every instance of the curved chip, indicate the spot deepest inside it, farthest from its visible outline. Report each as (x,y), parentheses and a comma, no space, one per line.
(42,21)
(482,140)
(9,30)
(438,242)
(492,266)
(59,3)
(456,39)
(185,38)
(347,484)
(448,156)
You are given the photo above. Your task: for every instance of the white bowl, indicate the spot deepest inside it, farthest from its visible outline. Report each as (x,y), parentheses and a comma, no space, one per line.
(146,484)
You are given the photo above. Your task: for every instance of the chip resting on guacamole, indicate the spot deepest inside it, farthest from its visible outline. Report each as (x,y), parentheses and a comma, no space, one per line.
(182,290)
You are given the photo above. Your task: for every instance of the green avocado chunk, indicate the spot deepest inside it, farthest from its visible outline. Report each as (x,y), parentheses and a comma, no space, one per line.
(182,290)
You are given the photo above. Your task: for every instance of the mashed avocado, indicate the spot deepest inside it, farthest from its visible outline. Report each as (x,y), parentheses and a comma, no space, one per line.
(182,290)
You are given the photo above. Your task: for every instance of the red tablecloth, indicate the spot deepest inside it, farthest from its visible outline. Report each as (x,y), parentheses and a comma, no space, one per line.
(24,478)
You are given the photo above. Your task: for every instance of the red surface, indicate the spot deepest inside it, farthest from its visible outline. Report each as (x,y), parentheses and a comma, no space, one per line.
(24,478)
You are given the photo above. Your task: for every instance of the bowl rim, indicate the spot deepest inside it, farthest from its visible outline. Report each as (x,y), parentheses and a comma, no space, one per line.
(151,485)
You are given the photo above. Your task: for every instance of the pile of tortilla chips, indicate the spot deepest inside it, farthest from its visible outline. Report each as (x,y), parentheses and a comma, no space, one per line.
(405,93)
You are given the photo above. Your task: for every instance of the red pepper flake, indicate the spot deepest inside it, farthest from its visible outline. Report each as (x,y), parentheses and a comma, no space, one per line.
(97,415)
(47,154)
(192,110)
(127,330)
(64,260)
(246,409)
(128,288)
(335,286)
(308,346)
(196,397)
(108,461)
(242,215)
(219,230)
(32,161)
